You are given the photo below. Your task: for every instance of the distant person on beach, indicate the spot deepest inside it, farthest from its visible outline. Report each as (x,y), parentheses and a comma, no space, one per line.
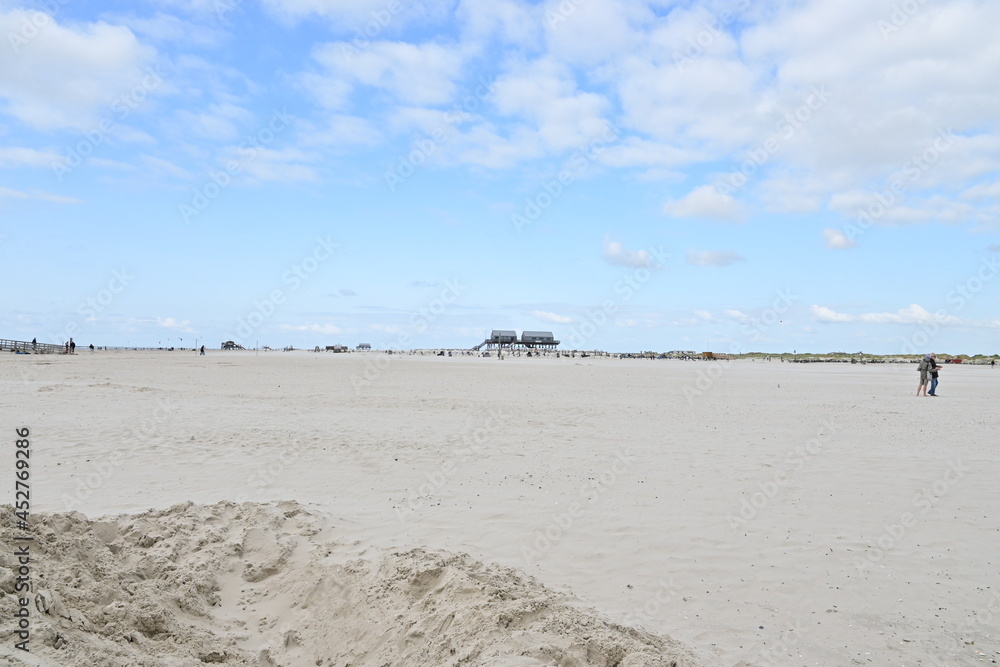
(67,348)
(202,353)
(72,346)
(91,347)
(934,375)
(924,368)
(34,343)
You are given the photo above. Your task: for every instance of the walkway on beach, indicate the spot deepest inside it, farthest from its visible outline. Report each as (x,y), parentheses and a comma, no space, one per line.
(28,347)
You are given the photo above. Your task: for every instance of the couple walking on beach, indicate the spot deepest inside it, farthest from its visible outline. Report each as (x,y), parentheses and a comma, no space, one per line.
(928,366)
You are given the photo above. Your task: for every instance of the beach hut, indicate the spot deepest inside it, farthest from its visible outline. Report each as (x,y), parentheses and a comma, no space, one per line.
(503,337)
(538,339)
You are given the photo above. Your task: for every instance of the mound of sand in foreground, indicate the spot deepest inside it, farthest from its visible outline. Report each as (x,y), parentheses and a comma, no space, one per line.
(261,585)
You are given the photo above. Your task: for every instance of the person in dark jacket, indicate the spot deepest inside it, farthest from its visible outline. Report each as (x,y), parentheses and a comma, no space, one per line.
(933,368)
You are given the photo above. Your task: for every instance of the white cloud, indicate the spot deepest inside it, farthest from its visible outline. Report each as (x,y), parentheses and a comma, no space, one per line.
(220,122)
(877,87)
(545,93)
(365,17)
(616,255)
(713,103)
(343,130)
(512,22)
(14,156)
(912,314)
(737,315)
(330,91)
(716,258)
(328,329)
(67,76)
(705,202)
(705,316)
(639,152)
(287,165)
(41,195)
(587,33)
(552,317)
(983,191)
(837,240)
(824,314)
(483,146)
(418,74)
(168,28)
(165,167)
(177,325)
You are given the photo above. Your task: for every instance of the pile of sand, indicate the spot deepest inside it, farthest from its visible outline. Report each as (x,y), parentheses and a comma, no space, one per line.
(262,584)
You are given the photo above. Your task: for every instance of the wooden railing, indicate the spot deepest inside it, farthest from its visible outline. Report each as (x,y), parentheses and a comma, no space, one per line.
(28,346)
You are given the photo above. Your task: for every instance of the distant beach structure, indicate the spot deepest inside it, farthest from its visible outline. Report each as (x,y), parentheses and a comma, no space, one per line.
(364,346)
(538,338)
(506,338)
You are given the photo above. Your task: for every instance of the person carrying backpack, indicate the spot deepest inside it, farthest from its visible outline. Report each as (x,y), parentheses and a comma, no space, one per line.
(924,367)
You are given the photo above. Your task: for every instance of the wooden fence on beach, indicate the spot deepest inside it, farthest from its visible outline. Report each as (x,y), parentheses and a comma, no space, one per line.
(27,346)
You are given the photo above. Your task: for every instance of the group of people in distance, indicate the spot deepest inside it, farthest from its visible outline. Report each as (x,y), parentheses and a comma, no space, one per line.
(928,368)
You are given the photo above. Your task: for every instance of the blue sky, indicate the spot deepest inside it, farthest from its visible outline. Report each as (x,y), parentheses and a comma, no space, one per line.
(742,176)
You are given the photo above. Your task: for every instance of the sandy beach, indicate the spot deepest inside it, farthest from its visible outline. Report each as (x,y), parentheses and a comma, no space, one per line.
(731,513)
